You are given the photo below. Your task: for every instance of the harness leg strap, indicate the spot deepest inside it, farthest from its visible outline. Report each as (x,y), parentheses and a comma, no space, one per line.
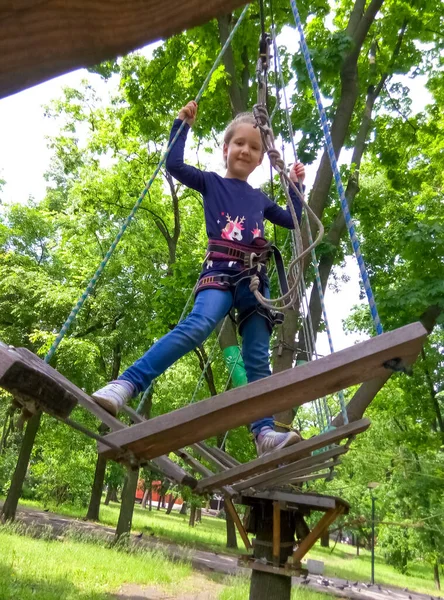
(271,316)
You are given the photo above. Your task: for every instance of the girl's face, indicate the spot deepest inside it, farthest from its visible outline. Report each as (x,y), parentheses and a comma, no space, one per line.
(244,152)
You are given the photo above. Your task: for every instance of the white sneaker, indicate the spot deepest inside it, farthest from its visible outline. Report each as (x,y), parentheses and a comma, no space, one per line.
(112,397)
(274,440)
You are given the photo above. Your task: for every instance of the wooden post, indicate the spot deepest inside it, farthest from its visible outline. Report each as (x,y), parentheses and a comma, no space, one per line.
(276,533)
(266,585)
(127,507)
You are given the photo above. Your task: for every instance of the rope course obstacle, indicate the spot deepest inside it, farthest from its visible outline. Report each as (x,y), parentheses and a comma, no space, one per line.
(262,483)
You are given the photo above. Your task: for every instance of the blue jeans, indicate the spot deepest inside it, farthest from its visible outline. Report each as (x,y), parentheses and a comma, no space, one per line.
(210,307)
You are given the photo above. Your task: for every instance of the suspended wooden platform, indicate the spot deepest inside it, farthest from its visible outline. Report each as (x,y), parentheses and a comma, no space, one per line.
(40,39)
(294,387)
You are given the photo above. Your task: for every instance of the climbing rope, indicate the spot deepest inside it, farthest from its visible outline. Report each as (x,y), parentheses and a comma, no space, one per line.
(288,299)
(91,285)
(308,329)
(335,170)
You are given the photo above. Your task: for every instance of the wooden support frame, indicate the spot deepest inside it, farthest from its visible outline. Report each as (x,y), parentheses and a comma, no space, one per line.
(290,388)
(228,503)
(286,455)
(307,543)
(290,470)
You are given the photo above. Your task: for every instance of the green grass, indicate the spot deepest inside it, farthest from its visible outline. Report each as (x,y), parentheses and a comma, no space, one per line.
(40,569)
(344,563)
(211,535)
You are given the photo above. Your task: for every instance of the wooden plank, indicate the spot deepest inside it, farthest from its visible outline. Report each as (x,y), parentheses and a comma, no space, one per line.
(329,464)
(193,463)
(286,455)
(323,524)
(309,501)
(45,38)
(228,503)
(279,392)
(26,375)
(224,457)
(290,469)
(308,478)
(203,452)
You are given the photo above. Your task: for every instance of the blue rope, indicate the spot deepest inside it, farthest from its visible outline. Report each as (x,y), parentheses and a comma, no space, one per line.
(327,325)
(99,271)
(337,176)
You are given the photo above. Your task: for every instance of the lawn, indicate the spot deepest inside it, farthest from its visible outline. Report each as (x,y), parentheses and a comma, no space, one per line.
(76,569)
(43,569)
(210,534)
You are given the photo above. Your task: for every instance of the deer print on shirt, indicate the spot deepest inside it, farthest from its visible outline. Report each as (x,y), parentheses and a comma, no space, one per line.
(233,229)
(256,232)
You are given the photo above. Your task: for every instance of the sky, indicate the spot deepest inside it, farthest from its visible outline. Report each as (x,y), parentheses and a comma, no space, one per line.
(24,158)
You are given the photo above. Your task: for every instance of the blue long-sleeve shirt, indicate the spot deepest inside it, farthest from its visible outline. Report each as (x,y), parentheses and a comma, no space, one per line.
(233,209)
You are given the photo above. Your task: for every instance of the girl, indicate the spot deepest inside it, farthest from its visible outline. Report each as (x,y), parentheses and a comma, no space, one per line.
(234,217)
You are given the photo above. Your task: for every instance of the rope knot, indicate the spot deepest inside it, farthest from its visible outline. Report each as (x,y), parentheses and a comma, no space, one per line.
(275,159)
(254,284)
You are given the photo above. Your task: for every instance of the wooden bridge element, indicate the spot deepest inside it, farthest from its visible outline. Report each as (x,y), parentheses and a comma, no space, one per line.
(40,39)
(268,481)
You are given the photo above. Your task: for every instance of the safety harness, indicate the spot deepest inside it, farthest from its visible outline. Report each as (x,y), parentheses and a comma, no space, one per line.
(254,259)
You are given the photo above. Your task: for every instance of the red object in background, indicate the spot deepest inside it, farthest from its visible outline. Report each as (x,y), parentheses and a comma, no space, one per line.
(155,492)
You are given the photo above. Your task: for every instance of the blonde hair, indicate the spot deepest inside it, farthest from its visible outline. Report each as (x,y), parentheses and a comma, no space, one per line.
(245,117)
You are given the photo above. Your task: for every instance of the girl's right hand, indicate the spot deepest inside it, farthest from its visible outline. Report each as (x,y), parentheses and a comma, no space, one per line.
(188,113)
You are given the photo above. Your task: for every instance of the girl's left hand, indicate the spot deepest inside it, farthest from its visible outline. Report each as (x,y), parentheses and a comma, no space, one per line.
(297,172)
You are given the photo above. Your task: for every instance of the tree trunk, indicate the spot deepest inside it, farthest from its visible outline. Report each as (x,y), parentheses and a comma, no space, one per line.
(231,531)
(159,502)
(11,502)
(283,356)
(325,539)
(436,575)
(127,507)
(171,503)
(97,489)
(111,495)
(199,515)
(150,504)
(192,516)
(146,493)
(357,545)
(183,510)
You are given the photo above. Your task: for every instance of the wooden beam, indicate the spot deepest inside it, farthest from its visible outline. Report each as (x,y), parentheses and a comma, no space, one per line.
(279,392)
(307,478)
(323,524)
(290,454)
(276,533)
(309,501)
(289,470)
(204,452)
(224,457)
(228,503)
(41,39)
(174,471)
(329,464)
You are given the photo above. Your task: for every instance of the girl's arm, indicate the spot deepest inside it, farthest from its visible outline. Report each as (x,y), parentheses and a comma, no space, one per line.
(282,216)
(189,176)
